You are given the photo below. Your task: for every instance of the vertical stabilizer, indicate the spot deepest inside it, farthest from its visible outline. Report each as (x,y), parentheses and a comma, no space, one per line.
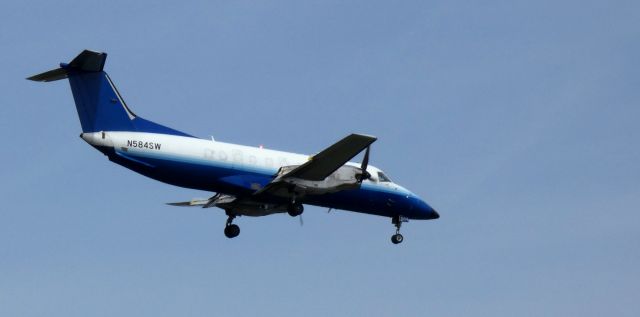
(99,104)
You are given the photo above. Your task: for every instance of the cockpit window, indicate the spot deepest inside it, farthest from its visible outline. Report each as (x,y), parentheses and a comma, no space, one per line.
(383,178)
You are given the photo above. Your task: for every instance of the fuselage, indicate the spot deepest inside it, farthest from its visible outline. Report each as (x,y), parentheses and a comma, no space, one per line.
(241,170)
(248,181)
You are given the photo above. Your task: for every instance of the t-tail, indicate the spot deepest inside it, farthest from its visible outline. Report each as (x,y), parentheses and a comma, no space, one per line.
(99,104)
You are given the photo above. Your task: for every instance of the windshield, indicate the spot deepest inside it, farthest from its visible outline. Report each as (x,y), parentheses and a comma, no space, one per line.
(383,178)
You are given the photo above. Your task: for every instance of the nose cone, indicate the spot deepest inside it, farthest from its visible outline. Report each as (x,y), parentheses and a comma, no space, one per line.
(426,211)
(434,214)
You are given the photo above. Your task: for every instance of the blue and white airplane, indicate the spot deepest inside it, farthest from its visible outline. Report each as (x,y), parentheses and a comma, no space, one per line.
(248,181)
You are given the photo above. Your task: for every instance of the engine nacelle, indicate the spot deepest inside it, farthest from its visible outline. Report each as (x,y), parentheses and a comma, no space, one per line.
(345,177)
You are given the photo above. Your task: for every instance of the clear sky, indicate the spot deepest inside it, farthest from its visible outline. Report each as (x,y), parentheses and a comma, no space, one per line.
(516,120)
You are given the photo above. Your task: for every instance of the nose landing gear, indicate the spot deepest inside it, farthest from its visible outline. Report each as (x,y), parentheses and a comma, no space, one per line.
(397,221)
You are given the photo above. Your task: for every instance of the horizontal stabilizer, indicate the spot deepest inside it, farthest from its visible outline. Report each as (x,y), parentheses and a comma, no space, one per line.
(52,75)
(87,61)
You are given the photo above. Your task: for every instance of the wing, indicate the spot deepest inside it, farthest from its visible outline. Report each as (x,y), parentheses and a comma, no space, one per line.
(311,177)
(234,205)
(217,200)
(328,161)
(191,203)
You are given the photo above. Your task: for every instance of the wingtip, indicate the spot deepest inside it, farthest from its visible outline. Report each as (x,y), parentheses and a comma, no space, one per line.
(180,204)
(370,138)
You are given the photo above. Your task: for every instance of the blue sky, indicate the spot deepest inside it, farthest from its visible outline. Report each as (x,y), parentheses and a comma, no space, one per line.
(516,120)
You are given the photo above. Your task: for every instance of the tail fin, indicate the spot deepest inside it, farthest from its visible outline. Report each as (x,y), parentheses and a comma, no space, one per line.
(99,104)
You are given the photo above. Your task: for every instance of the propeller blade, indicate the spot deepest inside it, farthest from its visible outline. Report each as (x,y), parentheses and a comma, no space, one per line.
(301,221)
(363,167)
(365,160)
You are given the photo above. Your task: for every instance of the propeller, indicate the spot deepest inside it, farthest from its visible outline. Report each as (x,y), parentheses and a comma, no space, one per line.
(363,167)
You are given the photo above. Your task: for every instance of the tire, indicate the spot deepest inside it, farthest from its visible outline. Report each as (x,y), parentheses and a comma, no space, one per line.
(295,210)
(397,238)
(231,231)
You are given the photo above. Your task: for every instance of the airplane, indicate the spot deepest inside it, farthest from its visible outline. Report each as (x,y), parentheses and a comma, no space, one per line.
(247,181)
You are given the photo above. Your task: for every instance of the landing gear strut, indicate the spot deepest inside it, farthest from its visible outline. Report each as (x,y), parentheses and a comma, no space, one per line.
(231,230)
(397,221)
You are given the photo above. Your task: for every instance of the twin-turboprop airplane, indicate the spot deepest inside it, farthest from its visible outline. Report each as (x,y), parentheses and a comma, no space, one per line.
(248,181)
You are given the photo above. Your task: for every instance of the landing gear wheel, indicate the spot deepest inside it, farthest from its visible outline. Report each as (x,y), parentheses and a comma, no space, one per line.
(231,231)
(295,209)
(397,221)
(397,238)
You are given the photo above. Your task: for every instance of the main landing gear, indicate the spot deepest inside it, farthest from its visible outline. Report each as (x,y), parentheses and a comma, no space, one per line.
(295,209)
(397,221)
(231,230)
